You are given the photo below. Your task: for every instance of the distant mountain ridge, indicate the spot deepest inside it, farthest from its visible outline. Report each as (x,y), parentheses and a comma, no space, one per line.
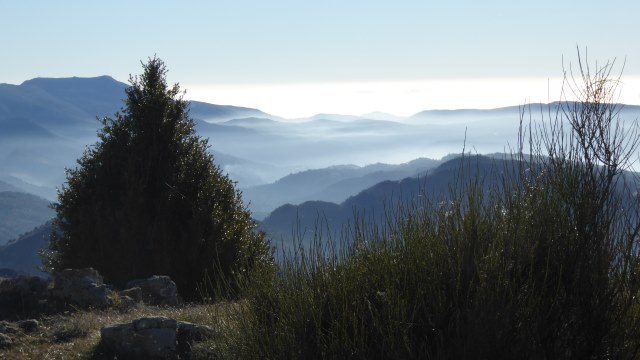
(373,203)
(220,113)
(45,124)
(98,96)
(84,99)
(332,184)
(515,109)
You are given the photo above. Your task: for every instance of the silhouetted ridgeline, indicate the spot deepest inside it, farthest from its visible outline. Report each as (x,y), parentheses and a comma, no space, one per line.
(378,202)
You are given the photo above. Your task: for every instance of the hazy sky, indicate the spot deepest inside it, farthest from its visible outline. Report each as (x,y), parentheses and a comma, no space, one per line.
(296,58)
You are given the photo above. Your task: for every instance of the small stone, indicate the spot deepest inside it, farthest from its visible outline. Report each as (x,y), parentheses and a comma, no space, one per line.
(157,290)
(28,325)
(134,293)
(81,287)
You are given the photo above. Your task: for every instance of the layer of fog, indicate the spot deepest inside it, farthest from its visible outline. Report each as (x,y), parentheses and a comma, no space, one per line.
(256,151)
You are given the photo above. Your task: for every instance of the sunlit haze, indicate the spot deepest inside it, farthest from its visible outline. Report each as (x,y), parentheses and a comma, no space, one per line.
(385,60)
(400,98)
(298,58)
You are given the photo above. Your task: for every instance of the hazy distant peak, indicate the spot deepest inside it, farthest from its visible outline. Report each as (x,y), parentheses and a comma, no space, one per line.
(74,79)
(221,113)
(514,109)
(80,88)
(92,96)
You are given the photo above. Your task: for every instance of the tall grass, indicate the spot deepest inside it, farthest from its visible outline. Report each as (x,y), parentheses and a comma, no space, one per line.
(540,263)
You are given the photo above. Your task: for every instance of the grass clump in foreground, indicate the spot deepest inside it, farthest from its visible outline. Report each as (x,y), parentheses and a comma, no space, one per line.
(540,264)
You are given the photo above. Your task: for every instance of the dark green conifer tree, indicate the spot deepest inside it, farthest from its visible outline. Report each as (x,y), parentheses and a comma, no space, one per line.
(147,198)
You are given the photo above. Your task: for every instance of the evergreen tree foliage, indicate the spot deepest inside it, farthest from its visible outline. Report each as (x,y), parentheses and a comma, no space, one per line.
(147,198)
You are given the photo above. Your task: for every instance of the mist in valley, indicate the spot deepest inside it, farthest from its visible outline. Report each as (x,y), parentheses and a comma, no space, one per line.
(323,166)
(254,148)
(47,123)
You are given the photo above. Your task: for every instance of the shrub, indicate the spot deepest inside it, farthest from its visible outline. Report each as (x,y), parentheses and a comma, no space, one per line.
(147,198)
(543,264)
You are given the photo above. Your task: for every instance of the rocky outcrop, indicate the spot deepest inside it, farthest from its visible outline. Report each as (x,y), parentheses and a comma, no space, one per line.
(83,288)
(157,290)
(145,338)
(189,333)
(152,338)
(23,296)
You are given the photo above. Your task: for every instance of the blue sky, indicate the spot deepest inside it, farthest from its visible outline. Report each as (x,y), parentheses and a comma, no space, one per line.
(301,57)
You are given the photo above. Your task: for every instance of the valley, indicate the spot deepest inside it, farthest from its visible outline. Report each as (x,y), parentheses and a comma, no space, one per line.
(294,174)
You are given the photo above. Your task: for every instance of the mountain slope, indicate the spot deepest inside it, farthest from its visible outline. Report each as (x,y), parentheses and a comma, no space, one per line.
(220,113)
(5,186)
(46,123)
(371,204)
(21,255)
(332,184)
(21,212)
(98,96)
